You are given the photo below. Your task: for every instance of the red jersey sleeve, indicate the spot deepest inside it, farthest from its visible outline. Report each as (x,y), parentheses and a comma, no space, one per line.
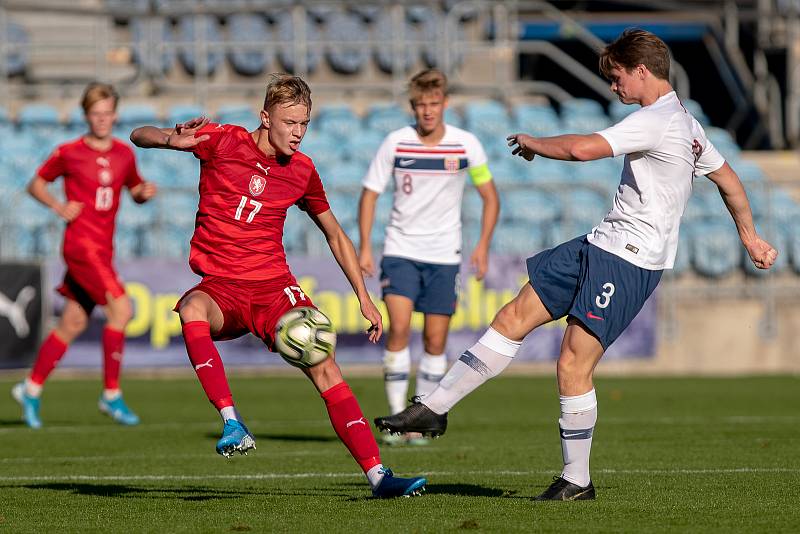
(206,149)
(53,167)
(314,200)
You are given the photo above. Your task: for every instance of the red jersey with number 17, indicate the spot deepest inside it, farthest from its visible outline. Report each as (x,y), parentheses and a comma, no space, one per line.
(95,179)
(244,196)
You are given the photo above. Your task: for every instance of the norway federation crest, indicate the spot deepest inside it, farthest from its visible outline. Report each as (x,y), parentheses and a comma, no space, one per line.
(257,185)
(451,164)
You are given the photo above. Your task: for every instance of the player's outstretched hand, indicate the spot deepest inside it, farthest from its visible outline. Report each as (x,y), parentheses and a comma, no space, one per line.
(183,136)
(761,253)
(520,144)
(69,211)
(371,314)
(367,263)
(480,261)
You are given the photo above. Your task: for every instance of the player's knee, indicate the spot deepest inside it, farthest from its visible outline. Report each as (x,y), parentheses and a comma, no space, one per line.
(434,344)
(399,332)
(570,364)
(71,326)
(509,318)
(192,309)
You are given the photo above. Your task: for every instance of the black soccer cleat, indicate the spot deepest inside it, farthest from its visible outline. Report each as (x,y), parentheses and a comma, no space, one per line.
(415,418)
(564,490)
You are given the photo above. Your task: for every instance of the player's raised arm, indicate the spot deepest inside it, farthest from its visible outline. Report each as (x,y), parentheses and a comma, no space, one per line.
(366,217)
(569,147)
(345,254)
(732,191)
(181,137)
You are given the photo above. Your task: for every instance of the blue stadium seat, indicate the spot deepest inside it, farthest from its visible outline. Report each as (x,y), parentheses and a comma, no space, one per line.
(243,115)
(505,170)
(516,238)
(395,38)
(153,47)
(749,172)
(338,120)
(495,145)
(17,49)
(206,28)
(386,118)
(601,172)
(183,112)
(131,214)
(530,204)
(723,142)
(583,115)
(793,251)
(693,107)
(716,250)
(177,207)
(618,111)
(346,174)
(430,30)
(28,213)
(18,242)
(367,12)
(540,120)
(324,149)
(452,117)
(167,240)
(127,241)
(134,115)
(584,205)
(38,115)
(286,53)
(550,171)
(683,258)
(363,147)
(348,56)
(246,58)
(488,120)
(383,209)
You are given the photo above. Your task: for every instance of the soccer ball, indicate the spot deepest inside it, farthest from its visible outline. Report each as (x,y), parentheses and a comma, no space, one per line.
(304,337)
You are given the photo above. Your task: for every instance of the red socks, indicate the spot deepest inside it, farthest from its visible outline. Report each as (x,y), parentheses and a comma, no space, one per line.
(50,353)
(350,425)
(113,344)
(207,363)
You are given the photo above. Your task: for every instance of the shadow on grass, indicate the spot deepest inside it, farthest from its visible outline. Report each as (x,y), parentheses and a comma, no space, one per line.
(458,490)
(189,494)
(284,437)
(12,422)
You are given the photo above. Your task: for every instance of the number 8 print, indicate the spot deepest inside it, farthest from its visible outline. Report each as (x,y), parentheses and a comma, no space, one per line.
(604,299)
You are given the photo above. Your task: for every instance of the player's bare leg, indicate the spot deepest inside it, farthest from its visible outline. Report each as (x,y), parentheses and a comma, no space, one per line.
(353,429)
(484,360)
(580,353)
(118,313)
(72,323)
(201,316)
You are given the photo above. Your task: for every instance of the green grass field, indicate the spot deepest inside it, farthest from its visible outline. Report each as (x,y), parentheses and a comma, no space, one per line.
(670,455)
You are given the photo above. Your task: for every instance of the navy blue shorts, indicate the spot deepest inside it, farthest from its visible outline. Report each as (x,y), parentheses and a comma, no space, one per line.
(601,290)
(430,286)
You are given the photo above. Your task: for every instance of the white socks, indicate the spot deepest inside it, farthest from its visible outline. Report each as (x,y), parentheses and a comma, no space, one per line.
(32,389)
(229,412)
(576,425)
(375,475)
(111,394)
(484,360)
(430,371)
(396,366)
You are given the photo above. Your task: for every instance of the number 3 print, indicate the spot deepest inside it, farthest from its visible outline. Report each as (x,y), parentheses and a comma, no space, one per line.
(604,299)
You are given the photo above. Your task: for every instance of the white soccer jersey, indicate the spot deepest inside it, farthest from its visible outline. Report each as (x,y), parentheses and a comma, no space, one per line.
(425,224)
(664,147)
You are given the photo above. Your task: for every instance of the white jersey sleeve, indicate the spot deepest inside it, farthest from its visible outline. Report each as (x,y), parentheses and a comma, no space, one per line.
(381,168)
(709,159)
(637,132)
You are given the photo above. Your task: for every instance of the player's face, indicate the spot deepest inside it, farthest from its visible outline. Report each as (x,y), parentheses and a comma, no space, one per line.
(101,118)
(429,111)
(286,125)
(627,85)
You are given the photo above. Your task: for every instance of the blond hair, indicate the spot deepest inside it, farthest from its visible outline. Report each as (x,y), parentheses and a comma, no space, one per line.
(287,89)
(636,47)
(95,92)
(427,81)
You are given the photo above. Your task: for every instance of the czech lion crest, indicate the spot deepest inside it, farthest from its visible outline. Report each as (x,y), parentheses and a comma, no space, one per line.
(257,185)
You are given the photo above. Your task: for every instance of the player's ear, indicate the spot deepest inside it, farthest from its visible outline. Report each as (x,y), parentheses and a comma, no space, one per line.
(265,118)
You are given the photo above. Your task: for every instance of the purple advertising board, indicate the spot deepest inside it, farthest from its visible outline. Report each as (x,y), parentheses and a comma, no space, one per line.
(154,334)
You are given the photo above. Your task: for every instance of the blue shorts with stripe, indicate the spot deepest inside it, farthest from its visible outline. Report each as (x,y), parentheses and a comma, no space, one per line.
(430,286)
(601,290)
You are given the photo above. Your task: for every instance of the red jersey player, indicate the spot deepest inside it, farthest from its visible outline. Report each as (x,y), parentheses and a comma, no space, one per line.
(95,168)
(247,182)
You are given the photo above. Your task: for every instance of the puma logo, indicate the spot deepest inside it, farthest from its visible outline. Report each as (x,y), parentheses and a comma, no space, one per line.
(360,421)
(207,364)
(14,310)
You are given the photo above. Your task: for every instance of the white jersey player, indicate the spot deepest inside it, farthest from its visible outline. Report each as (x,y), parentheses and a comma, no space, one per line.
(600,281)
(427,165)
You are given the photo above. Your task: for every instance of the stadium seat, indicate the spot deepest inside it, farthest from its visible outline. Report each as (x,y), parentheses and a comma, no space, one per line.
(367,12)
(206,30)
(179,113)
(384,118)
(530,204)
(294,230)
(347,174)
(324,149)
(127,242)
(453,118)
(716,250)
(243,115)
(584,205)
(515,238)
(693,107)
(539,120)
(396,53)
(723,142)
(167,241)
(363,147)
(430,30)
(38,115)
(153,47)
(337,120)
(683,258)
(246,58)
(347,55)
(16,49)
(487,119)
(286,52)
(582,116)
(131,214)
(137,115)
(793,242)
(177,207)
(618,111)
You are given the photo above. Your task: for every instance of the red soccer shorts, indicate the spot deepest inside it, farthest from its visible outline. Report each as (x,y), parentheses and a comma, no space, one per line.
(87,282)
(251,305)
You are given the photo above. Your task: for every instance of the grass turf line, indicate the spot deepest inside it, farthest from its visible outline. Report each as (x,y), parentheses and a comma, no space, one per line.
(669,455)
